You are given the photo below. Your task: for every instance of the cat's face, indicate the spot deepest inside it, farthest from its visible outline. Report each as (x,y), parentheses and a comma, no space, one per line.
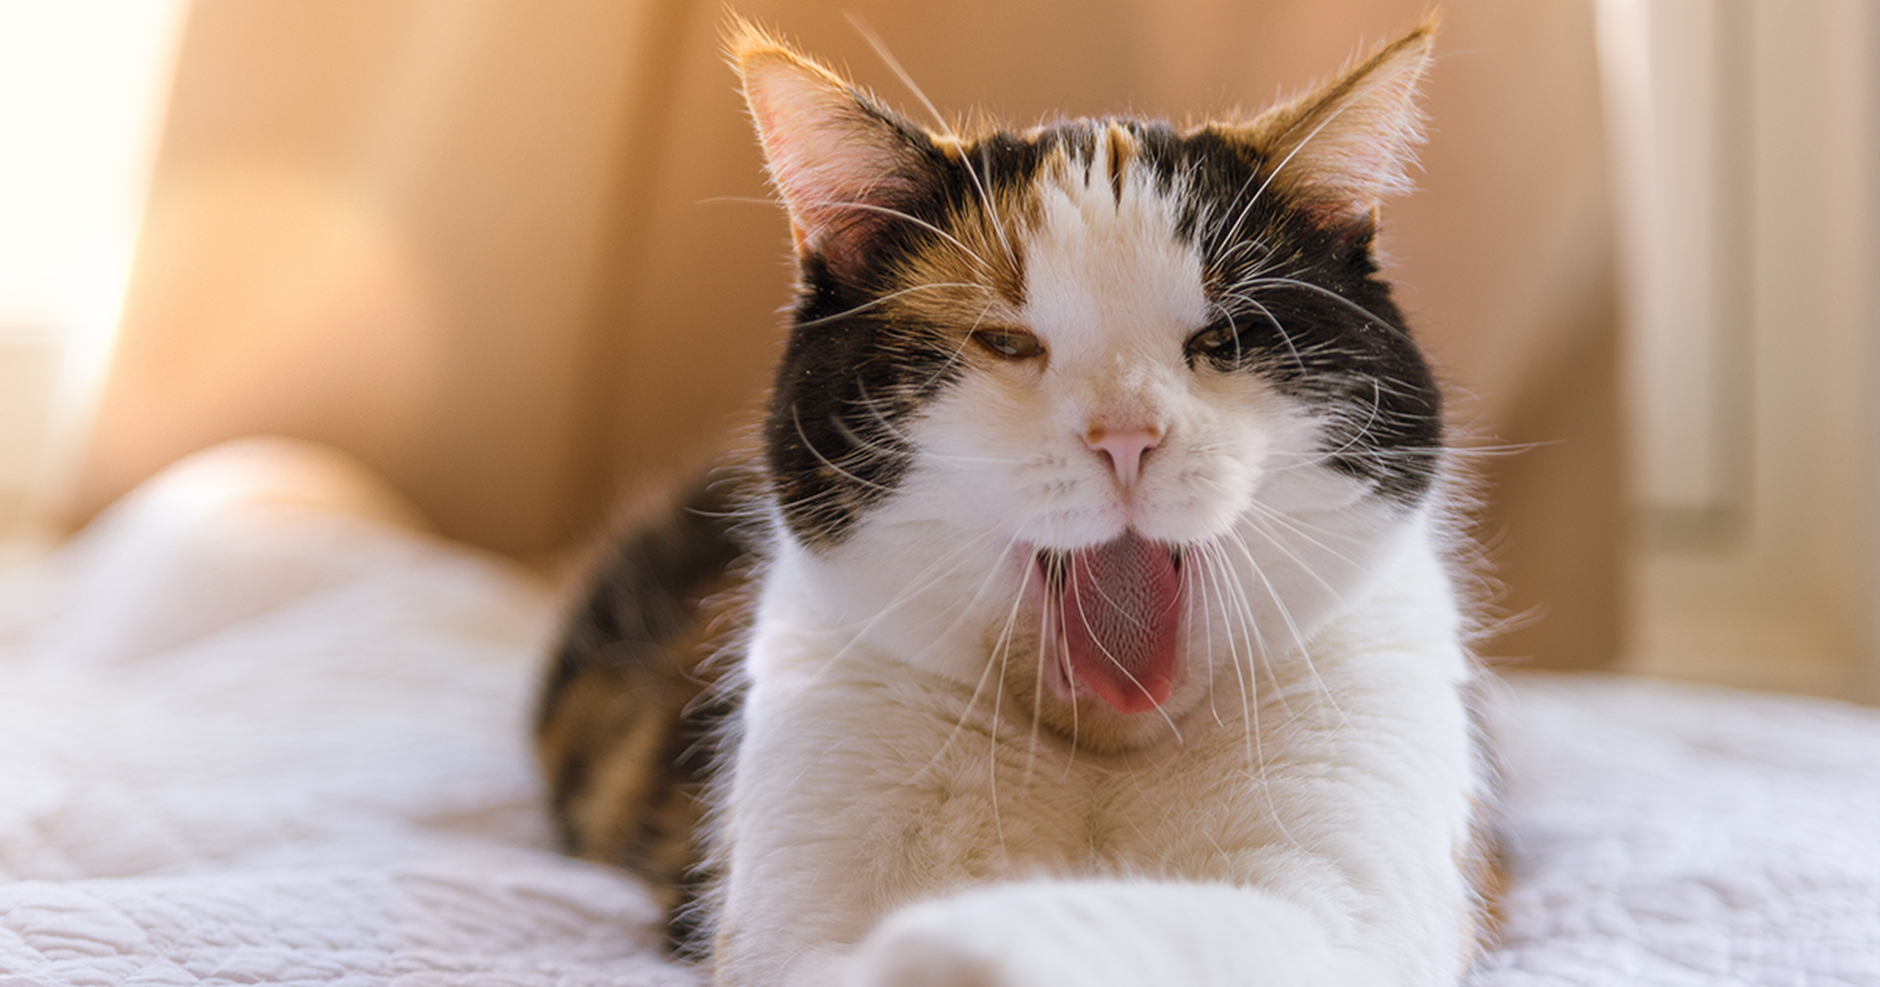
(1105,408)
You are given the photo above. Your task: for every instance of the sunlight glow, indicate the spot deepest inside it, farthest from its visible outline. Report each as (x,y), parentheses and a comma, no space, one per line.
(82,89)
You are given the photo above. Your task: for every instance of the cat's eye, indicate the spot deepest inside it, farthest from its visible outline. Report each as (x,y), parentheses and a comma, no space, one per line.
(1012,344)
(1214,339)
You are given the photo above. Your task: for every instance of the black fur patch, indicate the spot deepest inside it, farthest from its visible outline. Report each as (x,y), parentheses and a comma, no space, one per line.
(1313,315)
(645,594)
(628,724)
(855,373)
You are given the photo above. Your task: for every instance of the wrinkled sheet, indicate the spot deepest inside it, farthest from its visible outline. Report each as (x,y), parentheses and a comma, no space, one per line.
(255,728)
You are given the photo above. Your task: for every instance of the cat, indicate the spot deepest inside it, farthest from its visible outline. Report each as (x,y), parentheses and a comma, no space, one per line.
(1094,605)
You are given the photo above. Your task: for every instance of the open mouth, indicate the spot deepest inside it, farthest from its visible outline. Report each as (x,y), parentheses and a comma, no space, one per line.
(1112,616)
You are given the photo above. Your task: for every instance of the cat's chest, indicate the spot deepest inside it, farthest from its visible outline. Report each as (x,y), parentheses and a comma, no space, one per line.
(918,783)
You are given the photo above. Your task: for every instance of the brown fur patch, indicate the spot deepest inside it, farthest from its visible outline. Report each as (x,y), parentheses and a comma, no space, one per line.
(1122,151)
(977,277)
(1484,866)
(630,767)
(1483,858)
(626,732)
(608,749)
(614,748)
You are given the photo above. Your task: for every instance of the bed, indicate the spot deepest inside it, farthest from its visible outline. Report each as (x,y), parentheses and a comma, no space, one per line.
(256,726)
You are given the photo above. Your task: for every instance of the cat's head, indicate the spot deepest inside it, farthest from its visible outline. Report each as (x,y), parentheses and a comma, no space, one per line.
(1109,403)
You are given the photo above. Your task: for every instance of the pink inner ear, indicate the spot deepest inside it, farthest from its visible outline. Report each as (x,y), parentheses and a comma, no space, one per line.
(1352,145)
(837,163)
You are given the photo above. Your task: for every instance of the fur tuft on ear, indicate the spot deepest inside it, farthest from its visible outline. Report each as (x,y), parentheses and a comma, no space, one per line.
(843,164)
(1342,147)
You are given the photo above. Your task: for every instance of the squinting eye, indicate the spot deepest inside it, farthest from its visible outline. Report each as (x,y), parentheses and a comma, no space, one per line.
(1212,339)
(1013,344)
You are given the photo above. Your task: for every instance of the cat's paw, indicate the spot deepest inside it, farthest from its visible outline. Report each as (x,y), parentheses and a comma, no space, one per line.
(1013,936)
(930,945)
(1106,934)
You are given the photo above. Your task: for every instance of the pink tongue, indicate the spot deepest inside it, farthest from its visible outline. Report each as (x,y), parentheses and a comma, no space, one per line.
(1120,608)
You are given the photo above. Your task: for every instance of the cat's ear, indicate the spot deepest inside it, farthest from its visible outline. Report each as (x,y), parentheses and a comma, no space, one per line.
(845,166)
(1341,148)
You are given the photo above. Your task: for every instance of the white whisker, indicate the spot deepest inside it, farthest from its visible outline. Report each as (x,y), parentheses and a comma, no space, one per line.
(884,299)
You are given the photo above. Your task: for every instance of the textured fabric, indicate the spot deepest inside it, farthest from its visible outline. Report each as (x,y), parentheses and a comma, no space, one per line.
(254,730)
(1677,835)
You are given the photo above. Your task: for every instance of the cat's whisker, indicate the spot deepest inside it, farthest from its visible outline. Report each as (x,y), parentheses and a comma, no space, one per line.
(1245,673)
(1208,555)
(986,202)
(907,217)
(1002,650)
(810,444)
(1002,653)
(946,128)
(1287,462)
(998,656)
(887,425)
(1324,292)
(738,200)
(1236,538)
(1267,314)
(883,52)
(1202,614)
(1285,614)
(1259,645)
(959,348)
(1259,514)
(1249,676)
(985,196)
(1456,453)
(864,445)
(1305,532)
(1058,599)
(1232,234)
(884,299)
(908,592)
(1257,761)
(1047,652)
(1258,252)
(1241,611)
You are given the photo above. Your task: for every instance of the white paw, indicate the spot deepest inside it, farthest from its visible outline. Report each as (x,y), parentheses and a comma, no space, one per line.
(1105,934)
(930,946)
(1010,936)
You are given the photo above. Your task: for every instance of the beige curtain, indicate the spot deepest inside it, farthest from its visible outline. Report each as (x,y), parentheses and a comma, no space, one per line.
(506,250)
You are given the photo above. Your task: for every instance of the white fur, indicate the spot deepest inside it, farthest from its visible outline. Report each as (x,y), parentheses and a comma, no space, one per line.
(1295,814)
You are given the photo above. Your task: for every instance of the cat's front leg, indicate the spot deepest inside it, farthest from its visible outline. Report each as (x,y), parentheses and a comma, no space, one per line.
(1117,933)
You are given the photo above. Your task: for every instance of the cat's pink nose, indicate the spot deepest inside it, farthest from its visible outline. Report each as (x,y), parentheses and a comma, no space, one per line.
(1124,448)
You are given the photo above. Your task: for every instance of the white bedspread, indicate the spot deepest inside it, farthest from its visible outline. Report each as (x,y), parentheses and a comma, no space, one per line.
(253,729)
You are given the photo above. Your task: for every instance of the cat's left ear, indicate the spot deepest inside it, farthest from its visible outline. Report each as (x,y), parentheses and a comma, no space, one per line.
(1343,147)
(846,167)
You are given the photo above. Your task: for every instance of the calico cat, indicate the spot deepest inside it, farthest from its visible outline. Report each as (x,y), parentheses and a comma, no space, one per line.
(1094,611)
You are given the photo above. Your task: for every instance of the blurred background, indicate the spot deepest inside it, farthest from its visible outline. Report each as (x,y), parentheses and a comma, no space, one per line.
(501,250)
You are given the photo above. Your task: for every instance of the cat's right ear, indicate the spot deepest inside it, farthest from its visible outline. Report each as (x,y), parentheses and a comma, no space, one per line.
(846,167)
(1344,147)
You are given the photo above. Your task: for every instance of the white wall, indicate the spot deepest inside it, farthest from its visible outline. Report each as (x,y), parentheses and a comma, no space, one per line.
(1771,582)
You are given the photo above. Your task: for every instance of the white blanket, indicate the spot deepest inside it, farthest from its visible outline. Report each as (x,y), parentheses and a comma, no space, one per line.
(255,729)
